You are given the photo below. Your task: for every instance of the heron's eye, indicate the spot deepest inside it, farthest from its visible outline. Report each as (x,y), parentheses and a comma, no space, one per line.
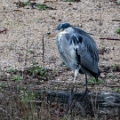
(61,29)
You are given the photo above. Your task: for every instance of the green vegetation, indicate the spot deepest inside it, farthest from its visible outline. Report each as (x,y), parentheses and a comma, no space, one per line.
(2,85)
(93,81)
(116,90)
(35,69)
(26,3)
(41,81)
(117,2)
(26,96)
(63,64)
(11,70)
(33,5)
(110,75)
(17,78)
(118,31)
(40,7)
(31,51)
(115,66)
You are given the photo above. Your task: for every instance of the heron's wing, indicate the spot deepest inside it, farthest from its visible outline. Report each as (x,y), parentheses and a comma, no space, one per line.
(86,51)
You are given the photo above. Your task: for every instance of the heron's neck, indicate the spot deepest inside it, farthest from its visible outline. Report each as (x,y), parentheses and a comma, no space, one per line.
(60,34)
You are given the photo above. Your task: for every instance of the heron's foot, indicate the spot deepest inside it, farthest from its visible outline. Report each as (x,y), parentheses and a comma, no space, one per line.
(85,94)
(87,91)
(70,99)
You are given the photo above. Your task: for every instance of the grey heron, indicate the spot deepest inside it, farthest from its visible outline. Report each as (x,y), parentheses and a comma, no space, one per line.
(78,50)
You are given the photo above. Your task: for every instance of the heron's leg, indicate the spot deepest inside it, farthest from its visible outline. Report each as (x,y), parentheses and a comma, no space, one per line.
(72,91)
(86,89)
(86,82)
(75,74)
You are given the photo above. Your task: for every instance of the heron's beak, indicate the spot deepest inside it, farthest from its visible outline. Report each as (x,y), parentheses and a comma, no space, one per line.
(53,34)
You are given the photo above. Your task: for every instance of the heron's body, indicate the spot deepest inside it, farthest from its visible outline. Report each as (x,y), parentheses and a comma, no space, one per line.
(78,51)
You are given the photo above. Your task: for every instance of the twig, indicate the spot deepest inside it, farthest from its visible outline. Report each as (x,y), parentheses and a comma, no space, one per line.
(112,86)
(35,101)
(4,30)
(116,20)
(9,116)
(43,49)
(18,118)
(110,39)
(26,54)
(90,33)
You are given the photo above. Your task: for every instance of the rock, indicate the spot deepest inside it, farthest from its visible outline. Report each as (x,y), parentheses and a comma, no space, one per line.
(102,75)
(102,50)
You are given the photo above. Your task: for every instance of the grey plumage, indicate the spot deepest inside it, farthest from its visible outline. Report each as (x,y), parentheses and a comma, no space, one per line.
(77,50)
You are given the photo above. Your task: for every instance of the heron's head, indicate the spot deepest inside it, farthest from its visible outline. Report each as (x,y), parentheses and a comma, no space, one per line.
(63,26)
(60,27)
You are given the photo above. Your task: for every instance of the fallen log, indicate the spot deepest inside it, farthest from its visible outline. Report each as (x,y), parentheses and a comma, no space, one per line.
(102,104)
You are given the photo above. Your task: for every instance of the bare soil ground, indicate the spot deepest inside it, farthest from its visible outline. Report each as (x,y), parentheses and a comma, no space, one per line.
(25,42)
